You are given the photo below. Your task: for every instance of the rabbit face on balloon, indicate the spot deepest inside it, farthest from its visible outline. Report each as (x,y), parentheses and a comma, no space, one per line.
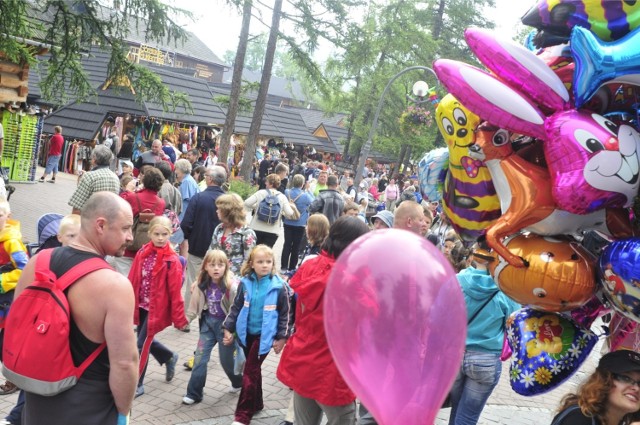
(593,163)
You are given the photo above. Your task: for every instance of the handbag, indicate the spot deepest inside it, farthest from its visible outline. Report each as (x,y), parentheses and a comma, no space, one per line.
(447,401)
(239,358)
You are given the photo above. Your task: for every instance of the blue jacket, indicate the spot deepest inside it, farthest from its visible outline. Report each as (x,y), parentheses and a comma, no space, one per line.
(486,331)
(302,200)
(277,317)
(200,219)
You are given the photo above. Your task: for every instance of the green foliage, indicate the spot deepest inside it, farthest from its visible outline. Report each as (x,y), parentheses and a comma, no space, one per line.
(242,188)
(73,28)
(245,105)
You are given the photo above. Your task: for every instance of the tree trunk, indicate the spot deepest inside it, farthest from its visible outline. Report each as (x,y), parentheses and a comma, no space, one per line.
(407,158)
(236,82)
(438,20)
(254,130)
(403,150)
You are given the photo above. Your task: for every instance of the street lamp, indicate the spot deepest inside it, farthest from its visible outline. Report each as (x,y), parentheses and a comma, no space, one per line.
(420,89)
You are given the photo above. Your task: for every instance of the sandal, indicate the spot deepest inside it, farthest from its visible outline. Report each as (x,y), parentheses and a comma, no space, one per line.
(8,388)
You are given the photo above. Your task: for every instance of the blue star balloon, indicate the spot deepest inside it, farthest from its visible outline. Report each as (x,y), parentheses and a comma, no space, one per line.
(598,62)
(619,272)
(547,350)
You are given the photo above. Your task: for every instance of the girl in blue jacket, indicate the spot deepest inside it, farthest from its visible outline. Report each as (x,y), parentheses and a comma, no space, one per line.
(262,317)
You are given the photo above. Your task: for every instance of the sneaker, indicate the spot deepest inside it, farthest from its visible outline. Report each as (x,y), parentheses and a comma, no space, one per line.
(171,367)
(233,389)
(284,271)
(189,363)
(237,423)
(5,422)
(51,181)
(139,391)
(8,388)
(186,329)
(188,400)
(41,180)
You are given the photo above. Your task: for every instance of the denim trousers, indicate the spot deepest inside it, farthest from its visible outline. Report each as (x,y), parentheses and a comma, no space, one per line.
(210,334)
(478,376)
(250,401)
(161,353)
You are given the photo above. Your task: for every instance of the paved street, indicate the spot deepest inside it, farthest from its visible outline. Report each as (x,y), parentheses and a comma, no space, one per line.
(161,403)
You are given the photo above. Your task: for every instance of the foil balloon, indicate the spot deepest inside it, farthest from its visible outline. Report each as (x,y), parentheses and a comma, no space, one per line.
(587,313)
(384,325)
(547,350)
(609,20)
(619,272)
(594,159)
(624,334)
(469,199)
(526,199)
(432,170)
(559,274)
(598,62)
(593,163)
(558,58)
(518,68)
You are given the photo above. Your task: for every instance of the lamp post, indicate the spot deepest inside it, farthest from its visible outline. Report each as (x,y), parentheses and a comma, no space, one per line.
(420,91)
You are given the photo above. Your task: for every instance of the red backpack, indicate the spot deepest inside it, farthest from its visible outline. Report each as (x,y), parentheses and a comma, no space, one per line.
(37,353)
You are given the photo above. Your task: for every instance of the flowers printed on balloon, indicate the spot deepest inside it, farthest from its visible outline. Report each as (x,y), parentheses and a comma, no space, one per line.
(547,350)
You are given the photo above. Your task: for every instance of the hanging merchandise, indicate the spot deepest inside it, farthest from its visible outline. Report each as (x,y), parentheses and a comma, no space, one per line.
(21,144)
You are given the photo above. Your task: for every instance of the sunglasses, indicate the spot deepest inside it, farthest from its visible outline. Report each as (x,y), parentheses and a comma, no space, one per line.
(627,380)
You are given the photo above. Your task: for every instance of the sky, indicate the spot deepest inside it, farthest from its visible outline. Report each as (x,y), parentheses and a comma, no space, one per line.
(218,25)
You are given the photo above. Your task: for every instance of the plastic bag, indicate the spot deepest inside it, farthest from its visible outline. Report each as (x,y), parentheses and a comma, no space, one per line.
(239,358)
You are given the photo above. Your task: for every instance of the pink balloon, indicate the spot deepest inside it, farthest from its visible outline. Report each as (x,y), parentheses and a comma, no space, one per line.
(395,320)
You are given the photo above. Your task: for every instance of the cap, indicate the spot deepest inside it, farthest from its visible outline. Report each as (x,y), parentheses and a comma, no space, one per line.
(620,361)
(385,216)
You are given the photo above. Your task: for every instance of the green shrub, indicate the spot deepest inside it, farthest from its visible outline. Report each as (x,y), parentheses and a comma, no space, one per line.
(242,188)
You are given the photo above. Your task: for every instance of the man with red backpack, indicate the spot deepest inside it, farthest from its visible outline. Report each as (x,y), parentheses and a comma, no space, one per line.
(101,305)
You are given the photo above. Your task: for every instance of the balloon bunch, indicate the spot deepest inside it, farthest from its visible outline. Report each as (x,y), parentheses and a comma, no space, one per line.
(552,137)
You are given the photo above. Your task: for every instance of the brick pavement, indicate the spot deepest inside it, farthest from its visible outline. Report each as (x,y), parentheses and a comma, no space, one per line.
(161,403)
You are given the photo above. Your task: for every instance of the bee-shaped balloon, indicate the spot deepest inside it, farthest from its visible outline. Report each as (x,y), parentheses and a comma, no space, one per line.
(469,200)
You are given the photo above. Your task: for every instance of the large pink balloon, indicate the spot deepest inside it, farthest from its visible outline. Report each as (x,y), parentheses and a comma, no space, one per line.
(396,323)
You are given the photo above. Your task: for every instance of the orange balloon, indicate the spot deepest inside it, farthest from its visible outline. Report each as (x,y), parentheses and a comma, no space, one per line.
(559,274)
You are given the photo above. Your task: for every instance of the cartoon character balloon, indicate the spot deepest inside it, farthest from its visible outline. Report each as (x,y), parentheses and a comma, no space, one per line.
(619,271)
(384,325)
(432,170)
(469,198)
(526,200)
(610,19)
(547,350)
(559,274)
(593,163)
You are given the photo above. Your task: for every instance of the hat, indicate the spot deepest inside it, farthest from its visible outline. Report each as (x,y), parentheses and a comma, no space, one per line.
(620,361)
(385,216)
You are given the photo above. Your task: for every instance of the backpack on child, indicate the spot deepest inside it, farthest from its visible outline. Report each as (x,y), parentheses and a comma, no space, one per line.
(36,353)
(140,227)
(269,208)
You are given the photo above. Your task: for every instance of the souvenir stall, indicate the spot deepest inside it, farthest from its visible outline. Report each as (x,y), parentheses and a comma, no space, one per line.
(22,133)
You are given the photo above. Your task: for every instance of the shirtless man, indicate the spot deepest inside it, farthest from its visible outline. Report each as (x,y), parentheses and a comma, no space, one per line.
(102,306)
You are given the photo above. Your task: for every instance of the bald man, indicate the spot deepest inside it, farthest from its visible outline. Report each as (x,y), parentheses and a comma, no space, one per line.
(101,305)
(410,216)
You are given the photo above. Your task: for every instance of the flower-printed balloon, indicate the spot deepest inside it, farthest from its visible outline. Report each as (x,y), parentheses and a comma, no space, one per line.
(547,349)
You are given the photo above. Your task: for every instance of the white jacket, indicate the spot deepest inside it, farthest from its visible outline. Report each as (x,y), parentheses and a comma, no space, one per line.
(252,202)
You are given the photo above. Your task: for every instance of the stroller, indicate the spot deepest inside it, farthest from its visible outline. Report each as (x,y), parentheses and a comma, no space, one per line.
(5,188)
(48,225)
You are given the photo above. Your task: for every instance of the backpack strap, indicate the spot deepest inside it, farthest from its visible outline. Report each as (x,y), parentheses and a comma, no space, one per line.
(81,269)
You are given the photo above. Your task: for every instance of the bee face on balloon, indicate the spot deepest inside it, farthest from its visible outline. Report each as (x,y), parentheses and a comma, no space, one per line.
(469,199)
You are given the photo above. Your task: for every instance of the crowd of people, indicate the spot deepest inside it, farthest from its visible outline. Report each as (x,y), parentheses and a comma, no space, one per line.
(183,248)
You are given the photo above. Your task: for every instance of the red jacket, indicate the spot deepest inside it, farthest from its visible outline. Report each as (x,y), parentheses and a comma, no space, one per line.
(166,305)
(306,365)
(148,198)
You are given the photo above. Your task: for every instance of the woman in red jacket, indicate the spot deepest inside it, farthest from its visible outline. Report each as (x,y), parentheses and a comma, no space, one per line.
(156,276)
(306,365)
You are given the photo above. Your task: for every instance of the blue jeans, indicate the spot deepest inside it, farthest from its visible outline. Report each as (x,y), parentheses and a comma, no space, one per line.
(210,335)
(476,380)
(52,164)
